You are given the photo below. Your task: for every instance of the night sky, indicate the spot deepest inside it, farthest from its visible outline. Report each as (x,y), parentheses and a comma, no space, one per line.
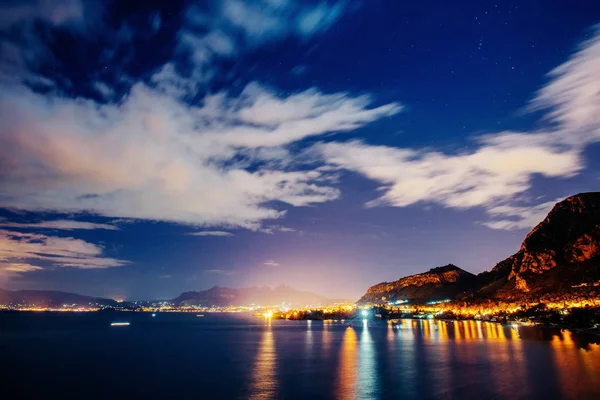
(149,147)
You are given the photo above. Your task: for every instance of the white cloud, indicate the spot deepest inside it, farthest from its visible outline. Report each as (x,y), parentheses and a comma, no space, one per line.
(271,263)
(59,224)
(155,157)
(271,229)
(18,267)
(20,252)
(573,94)
(516,217)
(257,21)
(152,155)
(493,173)
(285,229)
(219,272)
(228,27)
(211,233)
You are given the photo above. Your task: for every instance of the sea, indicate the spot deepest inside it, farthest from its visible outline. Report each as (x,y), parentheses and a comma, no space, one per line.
(235,356)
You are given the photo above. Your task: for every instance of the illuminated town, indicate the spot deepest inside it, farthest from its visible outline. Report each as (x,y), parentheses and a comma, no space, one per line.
(524,314)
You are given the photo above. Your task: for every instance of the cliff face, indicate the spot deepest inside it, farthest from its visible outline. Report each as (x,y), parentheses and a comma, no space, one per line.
(561,251)
(436,284)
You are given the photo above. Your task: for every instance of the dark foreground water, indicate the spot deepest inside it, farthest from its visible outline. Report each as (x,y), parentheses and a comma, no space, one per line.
(172,356)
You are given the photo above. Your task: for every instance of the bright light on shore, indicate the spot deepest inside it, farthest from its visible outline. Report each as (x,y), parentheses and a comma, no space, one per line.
(364,313)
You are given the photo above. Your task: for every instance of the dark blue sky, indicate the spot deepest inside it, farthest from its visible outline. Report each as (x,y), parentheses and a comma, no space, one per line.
(149,148)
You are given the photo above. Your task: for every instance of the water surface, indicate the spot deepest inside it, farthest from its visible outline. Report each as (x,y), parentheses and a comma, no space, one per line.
(52,355)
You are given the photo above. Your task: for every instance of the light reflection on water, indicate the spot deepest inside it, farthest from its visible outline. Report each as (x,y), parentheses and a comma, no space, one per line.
(450,358)
(348,366)
(225,357)
(367,365)
(264,382)
(578,367)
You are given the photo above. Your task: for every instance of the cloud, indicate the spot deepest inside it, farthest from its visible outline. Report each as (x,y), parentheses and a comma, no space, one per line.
(285,229)
(493,173)
(572,96)
(18,267)
(20,252)
(175,161)
(59,224)
(219,272)
(516,217)
(211,233)
(501,167)
(271,229)
(228,27)
(271,263)
(221,161)
(166,276)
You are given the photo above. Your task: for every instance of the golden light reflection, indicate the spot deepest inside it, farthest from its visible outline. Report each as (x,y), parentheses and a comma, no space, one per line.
(576,368)
(443,331)
(500,332)
(264,379)
(425,328)
(509,366)
(457,335)
(479,330)
(467,331)
(490,330)
(348,366)
(326,335)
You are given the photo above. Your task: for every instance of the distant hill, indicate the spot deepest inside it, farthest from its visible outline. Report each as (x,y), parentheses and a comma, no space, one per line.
(558,260)
(436,284)
(50,298)
(222,297)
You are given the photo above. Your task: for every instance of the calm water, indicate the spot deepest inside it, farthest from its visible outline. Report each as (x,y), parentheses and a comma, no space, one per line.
(231,356)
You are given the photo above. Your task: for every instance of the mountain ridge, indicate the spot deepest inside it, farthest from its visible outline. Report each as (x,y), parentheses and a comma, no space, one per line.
(50,298)
(558,259)
(263,295)
(215,296)
(435,284)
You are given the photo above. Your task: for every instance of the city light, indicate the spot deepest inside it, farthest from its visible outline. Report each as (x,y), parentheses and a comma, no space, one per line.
(364,313)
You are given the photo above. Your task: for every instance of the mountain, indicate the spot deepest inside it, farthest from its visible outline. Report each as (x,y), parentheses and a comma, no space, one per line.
(222,297)
(50,298)
(436,284)
(559,260)
(561,255)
